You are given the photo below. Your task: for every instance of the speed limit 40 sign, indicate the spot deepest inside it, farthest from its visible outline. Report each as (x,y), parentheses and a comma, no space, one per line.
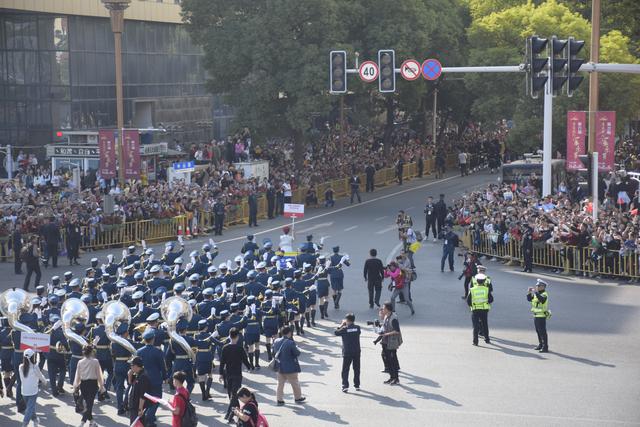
(368,71)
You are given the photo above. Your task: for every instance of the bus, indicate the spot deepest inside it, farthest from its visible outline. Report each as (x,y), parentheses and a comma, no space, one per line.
(519,171)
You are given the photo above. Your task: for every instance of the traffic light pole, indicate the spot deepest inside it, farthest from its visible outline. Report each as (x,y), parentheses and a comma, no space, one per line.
(594,185)
(547,146)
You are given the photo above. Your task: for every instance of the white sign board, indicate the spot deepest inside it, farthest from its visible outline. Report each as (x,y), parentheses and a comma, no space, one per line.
(293,210)
(35,341)
(410,69)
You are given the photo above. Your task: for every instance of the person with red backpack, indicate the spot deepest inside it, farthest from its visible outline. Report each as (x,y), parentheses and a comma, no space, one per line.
(248,414)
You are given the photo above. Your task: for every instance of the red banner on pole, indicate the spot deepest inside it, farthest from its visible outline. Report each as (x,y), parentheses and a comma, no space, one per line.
(576,131)
(107,152)
(131,154)
(605,139)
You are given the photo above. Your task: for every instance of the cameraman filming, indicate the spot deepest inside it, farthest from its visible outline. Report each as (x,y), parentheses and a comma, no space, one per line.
(399,285)
(391,341)
(350,334)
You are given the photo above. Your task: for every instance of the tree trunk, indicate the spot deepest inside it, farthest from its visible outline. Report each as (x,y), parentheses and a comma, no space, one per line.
(388,130)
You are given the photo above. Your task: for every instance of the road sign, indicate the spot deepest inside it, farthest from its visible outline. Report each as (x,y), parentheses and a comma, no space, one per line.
(410,69)
(184,166)
(368,71)
(292,210)
(431,69)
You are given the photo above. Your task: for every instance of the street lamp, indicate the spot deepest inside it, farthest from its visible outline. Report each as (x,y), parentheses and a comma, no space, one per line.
(116,12)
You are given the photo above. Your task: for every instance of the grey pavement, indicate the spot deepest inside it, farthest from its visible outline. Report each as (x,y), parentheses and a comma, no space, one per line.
(591,377)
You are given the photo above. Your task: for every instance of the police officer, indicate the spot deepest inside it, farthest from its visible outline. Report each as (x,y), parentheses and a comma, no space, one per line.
(103,350)
(479,300)
(270,321)
(539,300)
(153,360)
(430,218)
(129,257)
(6,354)
(56,362)
(448,248)
(204,359)
(183,361)
(322,287)
(76,351)
(218,214)
(350,334)
(170,256)
(121,356)
(336,275)
(527,249)
(252,331)
(252,200)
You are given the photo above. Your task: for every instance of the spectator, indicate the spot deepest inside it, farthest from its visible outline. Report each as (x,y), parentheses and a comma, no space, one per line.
(88,381)
(30,378)
(248,413)
(286,352)
(140,384)
(180,399)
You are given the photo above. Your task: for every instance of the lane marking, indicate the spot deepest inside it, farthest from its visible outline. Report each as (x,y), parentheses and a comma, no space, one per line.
(392,254)
(381,218)
(387,229)
(365,202)
(351,228)
(315,227)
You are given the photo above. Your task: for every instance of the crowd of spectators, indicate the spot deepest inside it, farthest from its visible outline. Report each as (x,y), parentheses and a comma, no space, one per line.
(562,223)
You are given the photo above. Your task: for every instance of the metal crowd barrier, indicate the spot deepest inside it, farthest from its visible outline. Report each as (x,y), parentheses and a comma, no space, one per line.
(563,258)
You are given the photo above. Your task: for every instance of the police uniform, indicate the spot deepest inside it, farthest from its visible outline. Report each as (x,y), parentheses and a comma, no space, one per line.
(479,300)
(270,325)
(56,361)
(540,308)
(252,330)
(103,352)
(336,275)
(322,289)
(76,352)
(204,359)
(6,352)
(182,360)
(153,360)
(121,357)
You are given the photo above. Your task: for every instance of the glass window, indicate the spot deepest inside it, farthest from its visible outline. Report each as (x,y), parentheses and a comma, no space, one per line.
(3,69)
(61,115)
(21,32)
(53,33)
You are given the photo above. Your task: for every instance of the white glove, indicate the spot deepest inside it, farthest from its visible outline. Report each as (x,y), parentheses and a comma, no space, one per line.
(193,260)
(247,311)
(327,263)
(224,286)
(213,311)
(164,296)
(56,325)
(49,288)
(166,250)
(124,253)
(289,265)
(105,297)
(38,313)
(188,266)
(274,303)
(144,244)
(215,334)
(181,240)
(253,308)
(122,292)
(343,259)
(109,258)
(313,288)
(212,243)
(269,280)
(176,269)
(209,256)
(140,306)
(322,240)
(119,271)
(96,340)
(151,258)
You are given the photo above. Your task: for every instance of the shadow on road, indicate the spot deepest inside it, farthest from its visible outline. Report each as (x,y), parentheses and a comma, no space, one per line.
(384,400)
(583,360)
(429,396)
(307,410)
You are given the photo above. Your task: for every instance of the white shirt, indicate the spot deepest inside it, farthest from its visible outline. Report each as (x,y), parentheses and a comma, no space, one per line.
(286,188)
(462,158)
(286,243)
(411,236)
(30,382)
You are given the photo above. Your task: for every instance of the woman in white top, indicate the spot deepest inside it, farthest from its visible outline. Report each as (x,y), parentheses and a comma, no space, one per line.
(30,377)
(286,241)
(88,380)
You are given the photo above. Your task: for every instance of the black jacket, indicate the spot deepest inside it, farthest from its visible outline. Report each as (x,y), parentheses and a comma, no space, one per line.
(51,233)
(373,270)
(350,339)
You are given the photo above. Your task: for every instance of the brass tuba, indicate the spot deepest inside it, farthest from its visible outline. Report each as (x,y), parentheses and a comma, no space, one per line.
(73,310)
(114,313)
(172,310)
(12,303)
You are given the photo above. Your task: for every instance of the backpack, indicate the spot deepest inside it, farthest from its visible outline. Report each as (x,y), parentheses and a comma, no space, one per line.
(189,418)
(262,420)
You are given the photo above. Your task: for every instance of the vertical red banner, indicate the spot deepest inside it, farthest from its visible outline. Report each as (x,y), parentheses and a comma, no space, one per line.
(576,132)
(605,139)
(107,152)
(131,154)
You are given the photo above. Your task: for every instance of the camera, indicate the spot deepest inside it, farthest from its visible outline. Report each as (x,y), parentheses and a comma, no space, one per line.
(375,323)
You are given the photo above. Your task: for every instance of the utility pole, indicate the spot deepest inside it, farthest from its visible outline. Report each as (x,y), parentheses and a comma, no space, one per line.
(593,76)
(435,114)
(547,146)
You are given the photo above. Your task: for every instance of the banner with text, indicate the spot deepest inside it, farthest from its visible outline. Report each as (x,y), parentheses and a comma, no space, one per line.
(131,154)
(107,152)
(576,132)
(34,340)
(605,139)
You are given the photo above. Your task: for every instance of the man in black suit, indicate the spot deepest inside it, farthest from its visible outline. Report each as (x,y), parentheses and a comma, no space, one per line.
(51,234)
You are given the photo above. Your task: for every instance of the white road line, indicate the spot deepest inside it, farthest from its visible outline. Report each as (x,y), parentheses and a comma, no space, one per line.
(315,227)
(387,229)
(365,202)
(381,218)
(351,228)
(409,208)
(392,254)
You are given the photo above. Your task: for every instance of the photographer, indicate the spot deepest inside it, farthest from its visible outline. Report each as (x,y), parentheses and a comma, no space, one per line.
(350,334)
(31,257)
(398,285)
(391,341)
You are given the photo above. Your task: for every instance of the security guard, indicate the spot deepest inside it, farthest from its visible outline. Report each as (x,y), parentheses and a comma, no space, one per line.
(539,300)
(350,334)
(479,300)
(103,350)
(204,359)
(430,219)
(56,363)
(527,249)
(153,360)
(121,366)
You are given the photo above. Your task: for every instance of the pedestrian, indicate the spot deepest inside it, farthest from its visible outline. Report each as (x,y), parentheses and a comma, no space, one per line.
(271,200)
(140,384)
(539,299)
(247,414)
(470,269)
(180,399)
(329,201)
(31,257)
(462,162)
(440,211)
(420,165)
(451,241)
(391,341)
(51,234)
(430,219)
(370,172)
(286,352)
(30,378)
(252,200)
(74,238)
(232,357)
(16,240)
(354,183)
(479,300)
(374,275)
(400,170)
(88,380)
(350,334)
(286,193)
(398,285)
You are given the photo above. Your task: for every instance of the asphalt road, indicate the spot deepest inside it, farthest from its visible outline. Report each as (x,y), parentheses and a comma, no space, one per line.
(590,378)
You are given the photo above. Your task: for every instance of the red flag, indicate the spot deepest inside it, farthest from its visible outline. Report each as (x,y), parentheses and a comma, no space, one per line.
(107,152)
(131,154)
(576,131)
(605,139)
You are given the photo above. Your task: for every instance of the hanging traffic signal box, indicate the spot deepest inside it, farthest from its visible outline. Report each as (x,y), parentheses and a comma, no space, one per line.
(387,67)
(535,64)
(573,64)
(338,71)
(558,64)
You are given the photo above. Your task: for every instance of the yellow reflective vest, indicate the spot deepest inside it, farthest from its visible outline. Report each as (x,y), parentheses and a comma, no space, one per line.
(480,298)
(538,308)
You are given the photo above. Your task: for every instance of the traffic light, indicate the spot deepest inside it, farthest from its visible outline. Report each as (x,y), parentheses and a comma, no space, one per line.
(338,71)
(585,173)
(535,65)
(387,67)
(573,64)
(557,64)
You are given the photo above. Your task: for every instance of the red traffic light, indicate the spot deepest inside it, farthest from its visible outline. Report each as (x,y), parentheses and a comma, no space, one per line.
(59,134)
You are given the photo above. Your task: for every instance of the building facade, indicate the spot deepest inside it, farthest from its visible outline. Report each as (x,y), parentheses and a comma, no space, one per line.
(57,71)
